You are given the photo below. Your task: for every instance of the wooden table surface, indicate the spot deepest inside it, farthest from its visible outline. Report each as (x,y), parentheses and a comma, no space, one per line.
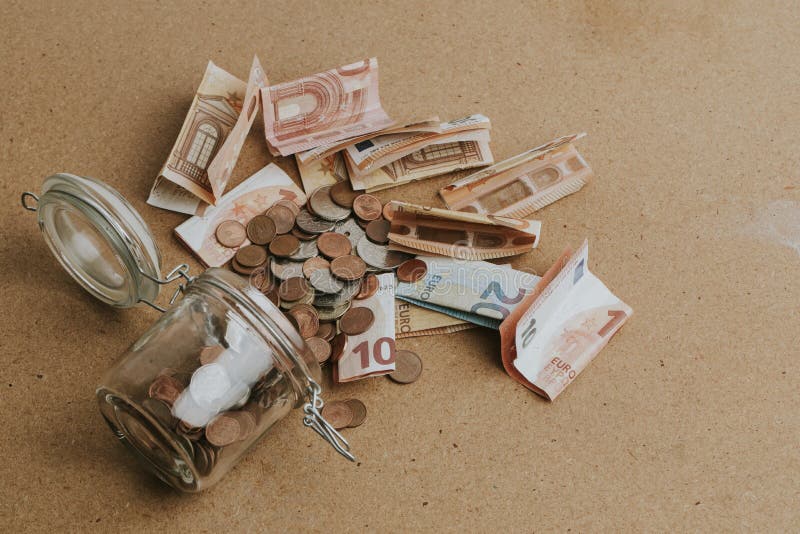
(689,419)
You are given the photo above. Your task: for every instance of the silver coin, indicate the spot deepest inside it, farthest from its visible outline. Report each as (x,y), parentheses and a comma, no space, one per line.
(322,280)
(283,268)
(308,249)
(322,204)
(379,256)
(349,290)
(310,223)
(351,229)
(331,314)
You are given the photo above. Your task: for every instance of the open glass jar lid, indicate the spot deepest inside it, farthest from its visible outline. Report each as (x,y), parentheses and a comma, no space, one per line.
(100,240)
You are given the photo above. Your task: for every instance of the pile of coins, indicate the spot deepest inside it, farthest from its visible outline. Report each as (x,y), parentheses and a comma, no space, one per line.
(314,261)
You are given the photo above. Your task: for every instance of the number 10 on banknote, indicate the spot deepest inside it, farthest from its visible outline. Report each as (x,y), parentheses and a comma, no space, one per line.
(559,328)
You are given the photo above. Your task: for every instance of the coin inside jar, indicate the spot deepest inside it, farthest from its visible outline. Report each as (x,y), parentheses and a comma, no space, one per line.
(284,245)
(408,367)
(378,231)
(230,234)
(251,256)
(342,193)
(282,216)
(333,245)
(261,230)
(306,319)
(367,207)
(223,430)
(411,270)
(320,348)
(338,414)
(348,267)
(356,321)
(293,288)
(369,286)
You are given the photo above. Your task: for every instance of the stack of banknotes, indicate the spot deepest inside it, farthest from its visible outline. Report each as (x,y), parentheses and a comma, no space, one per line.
(447,276)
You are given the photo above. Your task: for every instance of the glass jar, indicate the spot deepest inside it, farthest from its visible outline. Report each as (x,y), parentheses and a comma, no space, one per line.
(213,373)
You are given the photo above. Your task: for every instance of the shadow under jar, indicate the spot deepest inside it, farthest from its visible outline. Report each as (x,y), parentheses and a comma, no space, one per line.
(212,374)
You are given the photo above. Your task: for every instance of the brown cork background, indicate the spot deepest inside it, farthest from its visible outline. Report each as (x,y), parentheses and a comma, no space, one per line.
(689,419)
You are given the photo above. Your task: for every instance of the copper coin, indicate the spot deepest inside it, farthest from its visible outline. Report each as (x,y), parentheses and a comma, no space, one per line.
(369,286)
(326,331)
(289,204)
(301,235)
(338,346)
(209,354)
(359,412)
(193,433)
(334,245)
(378,231)
(315,264)
(242,270)
(306,319)
(408,367)
(261,279)
(284,246)
(388,212)
(223,430)
(231,234)
(342,193)
(411,270)
(339,414)
(348,267)
(165,388)
(367,207)
(251,256)
(282,216)
(261,230)
(320,348)
(356,321)
(247,422)
(272,295)
(293,288)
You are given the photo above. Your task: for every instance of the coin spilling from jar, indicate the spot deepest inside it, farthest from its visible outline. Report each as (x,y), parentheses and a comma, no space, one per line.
(320,264)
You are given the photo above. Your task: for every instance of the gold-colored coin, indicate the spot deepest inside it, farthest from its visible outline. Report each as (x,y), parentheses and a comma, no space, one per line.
(230,234)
